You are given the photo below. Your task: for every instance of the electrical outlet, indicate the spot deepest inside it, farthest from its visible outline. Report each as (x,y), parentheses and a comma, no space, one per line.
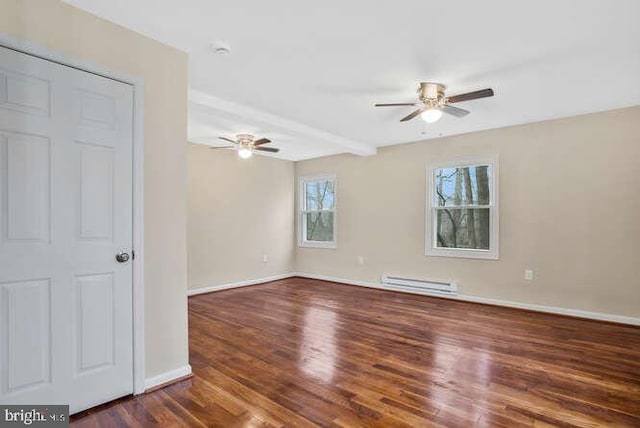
(360,260)
(528,274)
(265,258)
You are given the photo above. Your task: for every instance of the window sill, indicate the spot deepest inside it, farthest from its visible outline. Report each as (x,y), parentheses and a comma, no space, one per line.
(318,244)
(462,254)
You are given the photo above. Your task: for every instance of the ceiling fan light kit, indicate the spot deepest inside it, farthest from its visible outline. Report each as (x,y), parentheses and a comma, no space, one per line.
(431,115)
(246,144)
(433,102)
(245,153)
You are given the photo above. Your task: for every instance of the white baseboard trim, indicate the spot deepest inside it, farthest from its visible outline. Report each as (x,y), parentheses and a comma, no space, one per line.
(210,288)
(167,377)
(338,280)
(478,299)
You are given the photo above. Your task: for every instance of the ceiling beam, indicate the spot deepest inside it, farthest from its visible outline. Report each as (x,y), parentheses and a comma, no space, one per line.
(253,114)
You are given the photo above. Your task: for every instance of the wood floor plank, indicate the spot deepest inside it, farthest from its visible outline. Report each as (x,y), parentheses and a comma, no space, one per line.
(301,352)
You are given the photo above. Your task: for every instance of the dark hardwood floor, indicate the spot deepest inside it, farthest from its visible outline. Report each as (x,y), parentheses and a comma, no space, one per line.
(302,352)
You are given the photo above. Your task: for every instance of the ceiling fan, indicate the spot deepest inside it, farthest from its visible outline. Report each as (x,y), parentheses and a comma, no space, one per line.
(246,144)
(433,102)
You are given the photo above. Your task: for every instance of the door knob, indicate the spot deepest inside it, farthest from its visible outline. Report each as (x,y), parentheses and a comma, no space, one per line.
(122,257)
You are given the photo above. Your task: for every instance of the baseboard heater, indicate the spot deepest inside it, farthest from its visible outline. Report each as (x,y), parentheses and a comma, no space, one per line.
(419,285)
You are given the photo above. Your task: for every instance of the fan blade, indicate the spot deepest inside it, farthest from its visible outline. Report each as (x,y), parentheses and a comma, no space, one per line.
(395,105)
(483,93)
(223,147)
(412,115)
(267,149)
(261,141)
(229,140)
(454,111)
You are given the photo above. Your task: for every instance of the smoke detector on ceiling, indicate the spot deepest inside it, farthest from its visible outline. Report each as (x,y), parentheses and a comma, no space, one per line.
(220,47)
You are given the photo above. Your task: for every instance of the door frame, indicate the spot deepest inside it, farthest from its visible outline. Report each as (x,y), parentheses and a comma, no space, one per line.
(137,83)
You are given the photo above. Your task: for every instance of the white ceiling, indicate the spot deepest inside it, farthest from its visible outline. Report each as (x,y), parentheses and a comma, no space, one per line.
(306,74)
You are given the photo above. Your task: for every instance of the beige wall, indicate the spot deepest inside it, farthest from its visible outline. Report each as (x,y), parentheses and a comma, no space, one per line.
(69,31)
(569,210)
(239,211)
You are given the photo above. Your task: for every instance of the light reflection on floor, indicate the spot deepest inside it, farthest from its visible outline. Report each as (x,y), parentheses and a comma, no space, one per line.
(456,368)
(318,348)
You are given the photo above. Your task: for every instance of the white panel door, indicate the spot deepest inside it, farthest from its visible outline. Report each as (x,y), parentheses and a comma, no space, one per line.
(65,212)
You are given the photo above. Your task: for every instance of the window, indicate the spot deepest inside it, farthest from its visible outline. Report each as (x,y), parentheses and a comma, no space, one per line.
(317,219)
(462,210)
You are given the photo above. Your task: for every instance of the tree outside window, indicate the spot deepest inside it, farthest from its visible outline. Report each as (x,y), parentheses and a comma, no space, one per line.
(462,210)
(318,212)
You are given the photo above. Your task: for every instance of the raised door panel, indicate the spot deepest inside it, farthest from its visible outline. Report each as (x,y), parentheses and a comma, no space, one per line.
(24,93)
(26,328)
(25,162)
(94,110)
(96,192)
(94,322)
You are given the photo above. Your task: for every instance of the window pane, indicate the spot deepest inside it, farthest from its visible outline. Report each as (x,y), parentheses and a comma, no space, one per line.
(319,226)
(319,195)
(463,228)
(462,186)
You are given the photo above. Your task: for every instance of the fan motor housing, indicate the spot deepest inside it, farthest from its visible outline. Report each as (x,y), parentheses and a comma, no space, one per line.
(245,139)
(431,91)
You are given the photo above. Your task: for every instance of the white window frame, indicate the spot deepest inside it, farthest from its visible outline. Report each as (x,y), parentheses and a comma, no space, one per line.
(302,241)
(431,248)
